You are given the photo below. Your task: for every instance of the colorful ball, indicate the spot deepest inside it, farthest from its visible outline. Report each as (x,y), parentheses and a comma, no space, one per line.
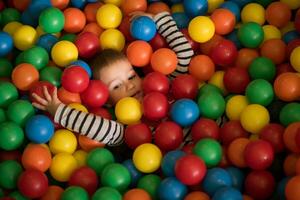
(112,39)
(204,128)
(74,20)
(227,193)
(169,161)
(184,86)
(293,59)
(109,16)
(224,53)
(25,37)
(128,110)
(87,44)
(107,193)
(10,171)
(275,49)
(171,189)
(39,129)
(253,12)
(236,79)
(278,14)
(6,44)
(95,95)
(202,67)
(136,194)
(143,28)
(262,68)
(194,8)
(150,183)
(20,111)
(62,166)
(75,193)
(211,105)
(75,79)
(63,141)
(286,86)
(289,113)
(201,29)
(235,107)
(8,93)
(224,21)
(260,92)
(293,4)
(99,158)
(155,106)
(12,136)
(155,82)
(37,157)
(251,34)
(51,20)
(63,53)
(24,76)
(139,53)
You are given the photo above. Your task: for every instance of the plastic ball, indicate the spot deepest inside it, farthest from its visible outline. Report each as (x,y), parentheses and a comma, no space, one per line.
(245,57)
(211,105)
(228,193)
(128,110)
(262,68)
(147,158)
(37,56)
(47,41)
(20,111)
(235,106)
(197,195)
(80,156)
(8,93)
(158,7)
(39,129)
(237,177)
(271,32)
(95,95)
(107,193)
(109,16)
(51,20)
(232,130)
(181,20)
(224,21)
(112,39)
(137,134)
(260,92)
(253,12)
(63,141)
(273,133)
(166,65)
(63,53)
(133,5)
(25,37)
(204,128)
(293,4)
(293,59)
(11,27)
(10,172)
(291,188)
(75,79)
(194,44)
(24,76)
(202,67)
(6,44)
(136,194)
(194,8)
(236,79)
(274,49)
(98,159)
(171,189)
(251,34)
(143,28)
(224,53)
(232,7)
(6,68)
(51,75)
(184,86)
(155,106)
(289,113)
(150,184)
(37,88)
(74,20)
(75,193)
(12,136)
(201,29)
(217,80)
(53,193)
(254,117)
(278,14)
(155,82)
(134,173)
(62,166)
(139,53)
(157,42)
(286,86)
(169,161)
(87,44)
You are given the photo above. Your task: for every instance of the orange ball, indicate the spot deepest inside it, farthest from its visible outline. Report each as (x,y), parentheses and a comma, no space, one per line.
(197,196)
(224,21)
(202,67)
(158,7)
(139,53)
(275,49)
(130,6)
(289,164)
(54,192)
(246,197)
(74,20)
(278,14)
(292,188)
(287,86)
(206,47)
(164,60)
(289,137)
(93,27)
(235,152)
(24,76)
(68,97)
(297,167)
(60,4)
(245,57)
(88,144)
(90,11)
(136,194)
(36,156)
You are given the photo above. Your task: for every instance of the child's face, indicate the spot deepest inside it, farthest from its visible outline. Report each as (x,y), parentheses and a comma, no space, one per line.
(122,81)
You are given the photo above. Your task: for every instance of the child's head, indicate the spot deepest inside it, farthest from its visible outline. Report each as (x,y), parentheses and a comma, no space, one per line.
(114,69)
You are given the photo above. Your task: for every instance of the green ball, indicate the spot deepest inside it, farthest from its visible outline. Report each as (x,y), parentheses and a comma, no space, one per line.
(69,37)
(99,158)
(10,171)
(251,34)
(8,93)
(262,68)
(105,193)
(260,92)
(20,111)
(2,115)
(11,137)
(290,113)
(211,105)
(18,196)
(37,56)
(150,184)
(52,20)
(74,193)
(264,3)
(116,176)
(52,75)
(10,15)
(209,150)
(208,88)
(5,68)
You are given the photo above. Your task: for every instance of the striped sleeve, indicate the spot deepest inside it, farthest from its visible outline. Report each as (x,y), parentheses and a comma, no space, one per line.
(167,28)
(95,127)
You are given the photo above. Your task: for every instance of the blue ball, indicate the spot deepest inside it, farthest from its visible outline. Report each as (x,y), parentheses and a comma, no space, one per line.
(237,177)
(134,172)
(184,112)
(227,193)
(84,65)
(291,35)
(171,189)
(233,36)
(39,129)
(215,179)
(195,8)
(280,191)
(143,28)
(6,44)
(169,161)
(36,7)
(47,41)
(234,8)
(78,3)
(27,19)
(181,19)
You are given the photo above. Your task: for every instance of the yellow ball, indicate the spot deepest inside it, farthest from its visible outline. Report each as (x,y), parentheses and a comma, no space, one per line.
(62,166)
(254,117)
(64,52)
(109,16)
(115,2)
(213,4)
(177,8)
(235,106)
(112,39)
(80,157)
(78,106)
(147,158)
(253,12)
(128,110)
(11,27)
(271,32)
(295,59)
(287,28)
(201,29)
(217,80)
(63,141)
(293,4)
(25,37)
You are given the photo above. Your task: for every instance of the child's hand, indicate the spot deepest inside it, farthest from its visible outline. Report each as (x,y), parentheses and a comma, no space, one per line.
(136,14)
(48,103)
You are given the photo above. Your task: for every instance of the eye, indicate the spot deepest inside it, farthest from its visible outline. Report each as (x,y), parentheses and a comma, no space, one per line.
(117,87)
(132,77)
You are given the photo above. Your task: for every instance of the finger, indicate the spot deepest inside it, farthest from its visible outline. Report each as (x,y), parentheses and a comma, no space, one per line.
(39,106)
(39,99)
(46,94)
(54,95)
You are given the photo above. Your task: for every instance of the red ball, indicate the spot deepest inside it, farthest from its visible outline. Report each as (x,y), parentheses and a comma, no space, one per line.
(232,130)
(283,68)
(125,28)
(205,128)
(224,53)
(95,95)
(137,134)
(194,44)
(291,46)
(259,154)
(158,42)
(75,79)
(188,149)
(298,137)
(236,80)
(33,183)
(86,178)
(37,88)
(102,112)
(155,82)
(273,133)
(155,106)
(190,169)
(184,86)
(260,184)
(87,44)
(168,136)
(297,22)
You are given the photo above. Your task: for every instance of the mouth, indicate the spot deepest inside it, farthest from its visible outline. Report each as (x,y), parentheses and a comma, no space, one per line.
(137,94)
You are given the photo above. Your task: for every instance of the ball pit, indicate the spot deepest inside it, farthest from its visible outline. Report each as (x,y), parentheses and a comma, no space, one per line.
(228,129)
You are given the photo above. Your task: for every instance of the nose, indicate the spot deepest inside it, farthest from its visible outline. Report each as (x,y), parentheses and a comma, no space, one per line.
(129,85)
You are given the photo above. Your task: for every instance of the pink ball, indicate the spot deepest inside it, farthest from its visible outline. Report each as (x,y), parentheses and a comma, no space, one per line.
(87,44)
(155,82)
(75,79)
(155,106)
(184,86)
(95,95)
(205,128)
(137,134)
